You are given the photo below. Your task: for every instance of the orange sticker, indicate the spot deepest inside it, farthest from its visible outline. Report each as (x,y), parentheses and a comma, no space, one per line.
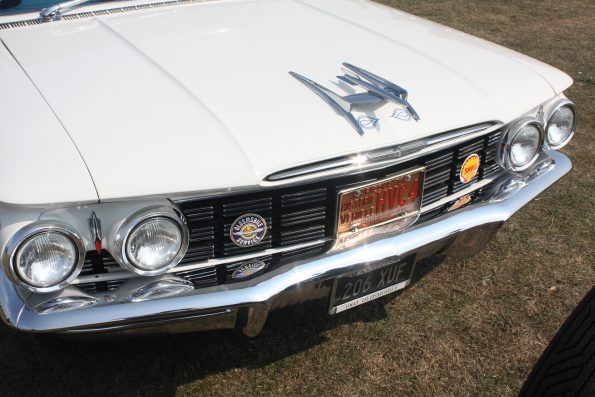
(460,203)
(470,168)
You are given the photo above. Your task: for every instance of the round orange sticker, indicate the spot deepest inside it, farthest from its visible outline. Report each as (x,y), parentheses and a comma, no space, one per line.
(470,168)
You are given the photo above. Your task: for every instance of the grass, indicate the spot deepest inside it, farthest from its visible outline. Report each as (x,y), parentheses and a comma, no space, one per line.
(468,328)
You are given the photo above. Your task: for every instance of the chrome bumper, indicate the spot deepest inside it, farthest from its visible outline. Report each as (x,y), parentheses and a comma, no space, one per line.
(246,305)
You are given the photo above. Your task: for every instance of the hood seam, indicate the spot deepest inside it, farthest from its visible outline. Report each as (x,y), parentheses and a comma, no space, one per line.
(55,115)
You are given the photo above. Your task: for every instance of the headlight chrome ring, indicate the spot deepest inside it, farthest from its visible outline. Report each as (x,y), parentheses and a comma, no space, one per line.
(514,132)
(35,230)
(553,111)
(134,222)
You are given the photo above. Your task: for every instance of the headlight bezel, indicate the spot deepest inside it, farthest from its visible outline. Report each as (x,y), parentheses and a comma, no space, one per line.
(562,102)
(24,235)
(513,131)
(133,221)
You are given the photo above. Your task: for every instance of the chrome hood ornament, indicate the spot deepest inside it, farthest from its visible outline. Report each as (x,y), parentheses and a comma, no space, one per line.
(378,91)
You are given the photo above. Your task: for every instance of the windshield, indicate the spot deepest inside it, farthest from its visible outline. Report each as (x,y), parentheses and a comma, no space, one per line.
(19,6)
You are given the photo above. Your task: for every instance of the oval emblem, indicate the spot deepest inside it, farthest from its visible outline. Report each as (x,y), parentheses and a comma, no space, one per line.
(248,269)
(248,230)
(470,168)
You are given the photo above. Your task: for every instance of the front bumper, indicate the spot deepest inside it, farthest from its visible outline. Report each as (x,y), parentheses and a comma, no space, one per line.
(246,305)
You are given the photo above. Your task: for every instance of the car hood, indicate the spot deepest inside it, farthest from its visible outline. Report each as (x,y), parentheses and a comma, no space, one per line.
(198,96)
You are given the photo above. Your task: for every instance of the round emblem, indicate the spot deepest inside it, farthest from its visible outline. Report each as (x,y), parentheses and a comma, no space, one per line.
(248,269)
(470,168)
(248,230)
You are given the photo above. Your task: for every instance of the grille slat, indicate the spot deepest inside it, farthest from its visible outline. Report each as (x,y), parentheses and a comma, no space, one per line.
(300,214)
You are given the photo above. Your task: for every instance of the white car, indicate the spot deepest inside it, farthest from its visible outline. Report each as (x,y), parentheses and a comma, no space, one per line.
(186,165)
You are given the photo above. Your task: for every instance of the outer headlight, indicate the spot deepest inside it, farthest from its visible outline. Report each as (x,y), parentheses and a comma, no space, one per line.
(561,125)
(522,145)
(45,257)
(152,241)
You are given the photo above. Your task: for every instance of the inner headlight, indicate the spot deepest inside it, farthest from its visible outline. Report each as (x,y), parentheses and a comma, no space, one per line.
(561,126)
(45,258)
(522,145)
(152,241)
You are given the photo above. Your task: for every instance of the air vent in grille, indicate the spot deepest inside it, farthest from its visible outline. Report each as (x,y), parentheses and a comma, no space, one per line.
(302,214)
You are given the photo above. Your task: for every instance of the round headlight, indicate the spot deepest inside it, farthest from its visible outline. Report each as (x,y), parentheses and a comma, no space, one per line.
(523,144)
(152,241)
(45,258)
(561,126)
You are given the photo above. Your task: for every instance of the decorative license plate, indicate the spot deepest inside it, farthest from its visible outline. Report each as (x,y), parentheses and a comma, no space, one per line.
(377,280)
(394,198)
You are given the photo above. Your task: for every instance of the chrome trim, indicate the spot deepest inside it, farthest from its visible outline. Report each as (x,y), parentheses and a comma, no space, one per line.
(65,303)
(54,12)
(95,225)
(335,101)
(32,230)
(379,91)
(380,158)
(200,265)
(301,281)
(121,238)
(562,102)
(380,87)
(511,134)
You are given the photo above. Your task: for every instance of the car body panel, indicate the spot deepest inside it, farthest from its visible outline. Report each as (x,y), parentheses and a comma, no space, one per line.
(38,161)
(177,99)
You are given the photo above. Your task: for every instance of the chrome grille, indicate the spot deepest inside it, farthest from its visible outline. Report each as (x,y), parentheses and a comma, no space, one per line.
(303,214)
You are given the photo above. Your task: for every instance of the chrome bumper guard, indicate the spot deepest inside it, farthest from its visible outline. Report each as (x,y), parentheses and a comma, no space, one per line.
(246,305)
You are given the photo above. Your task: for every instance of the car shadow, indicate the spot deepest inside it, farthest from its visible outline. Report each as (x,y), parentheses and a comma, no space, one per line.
(32,365)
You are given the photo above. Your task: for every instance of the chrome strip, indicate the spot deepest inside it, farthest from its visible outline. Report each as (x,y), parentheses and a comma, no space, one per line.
(476,186)
(379,158)
(199,265)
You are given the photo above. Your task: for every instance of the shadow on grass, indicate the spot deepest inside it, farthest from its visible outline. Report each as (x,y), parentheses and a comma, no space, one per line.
(142,366)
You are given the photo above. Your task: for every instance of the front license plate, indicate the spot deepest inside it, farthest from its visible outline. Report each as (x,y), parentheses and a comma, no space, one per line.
(387,276)
(378,203)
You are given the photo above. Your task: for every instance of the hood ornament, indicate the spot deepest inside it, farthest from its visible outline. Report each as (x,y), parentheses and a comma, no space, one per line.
(379,91)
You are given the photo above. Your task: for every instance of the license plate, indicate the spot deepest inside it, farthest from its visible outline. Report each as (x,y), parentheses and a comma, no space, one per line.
(386,276)
(378,203)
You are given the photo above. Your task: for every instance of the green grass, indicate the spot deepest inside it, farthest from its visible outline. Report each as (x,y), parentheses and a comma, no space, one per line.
(468,328)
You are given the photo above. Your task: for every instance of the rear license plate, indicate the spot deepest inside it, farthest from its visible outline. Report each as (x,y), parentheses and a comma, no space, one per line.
(386,276)
(378,203)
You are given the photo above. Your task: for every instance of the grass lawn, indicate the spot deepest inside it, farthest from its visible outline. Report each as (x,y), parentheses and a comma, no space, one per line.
(471,328)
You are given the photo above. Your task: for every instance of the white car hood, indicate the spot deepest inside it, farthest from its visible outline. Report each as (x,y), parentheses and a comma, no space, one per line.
(198,97)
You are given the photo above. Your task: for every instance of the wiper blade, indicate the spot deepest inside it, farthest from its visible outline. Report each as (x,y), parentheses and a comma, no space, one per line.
(54,12)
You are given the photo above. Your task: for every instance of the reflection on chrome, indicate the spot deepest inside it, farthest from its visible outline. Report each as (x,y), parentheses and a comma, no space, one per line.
(161,289)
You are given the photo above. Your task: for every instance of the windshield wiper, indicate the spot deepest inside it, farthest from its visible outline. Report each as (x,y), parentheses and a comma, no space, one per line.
(54,12)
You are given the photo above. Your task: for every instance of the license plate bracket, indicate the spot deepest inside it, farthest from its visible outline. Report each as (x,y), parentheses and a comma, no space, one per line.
(396,197)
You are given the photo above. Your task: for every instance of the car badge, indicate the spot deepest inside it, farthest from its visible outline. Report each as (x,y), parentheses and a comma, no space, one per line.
(248,230)
(95,225)
(470,168)
(248,269)
(376,92)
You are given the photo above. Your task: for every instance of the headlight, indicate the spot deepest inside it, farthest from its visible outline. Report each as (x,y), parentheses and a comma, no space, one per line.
(522,145)
(561,125)
(45,257)
(152,241)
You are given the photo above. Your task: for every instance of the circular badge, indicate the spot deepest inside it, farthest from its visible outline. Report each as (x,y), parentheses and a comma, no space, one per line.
(248,269)
(470,168)
(248,230)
